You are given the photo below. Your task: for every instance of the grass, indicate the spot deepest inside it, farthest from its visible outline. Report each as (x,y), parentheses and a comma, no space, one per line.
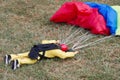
(24,23)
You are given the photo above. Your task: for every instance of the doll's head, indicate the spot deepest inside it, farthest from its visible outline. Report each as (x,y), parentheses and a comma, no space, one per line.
(63,47)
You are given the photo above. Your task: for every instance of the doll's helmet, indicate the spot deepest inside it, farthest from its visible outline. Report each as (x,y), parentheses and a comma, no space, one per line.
(63,47)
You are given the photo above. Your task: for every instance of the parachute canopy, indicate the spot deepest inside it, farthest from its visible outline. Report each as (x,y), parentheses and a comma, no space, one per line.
(117,9)
(96,17)
(108,13)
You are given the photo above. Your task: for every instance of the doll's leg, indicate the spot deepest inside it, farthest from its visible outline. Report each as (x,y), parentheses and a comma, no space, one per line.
(20,61)
(20,55)
(10,57)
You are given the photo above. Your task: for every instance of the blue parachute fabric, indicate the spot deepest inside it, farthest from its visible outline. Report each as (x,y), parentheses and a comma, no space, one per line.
(109,14)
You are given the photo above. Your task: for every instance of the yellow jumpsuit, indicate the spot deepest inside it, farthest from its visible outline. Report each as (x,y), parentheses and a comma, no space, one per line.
(24,59)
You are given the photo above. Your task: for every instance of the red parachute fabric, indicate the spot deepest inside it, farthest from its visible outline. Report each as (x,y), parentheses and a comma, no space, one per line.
(80,14)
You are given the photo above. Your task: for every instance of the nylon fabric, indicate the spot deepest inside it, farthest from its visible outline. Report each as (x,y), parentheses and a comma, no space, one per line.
(82,15)
(34,52)
(109,14)
(117,8)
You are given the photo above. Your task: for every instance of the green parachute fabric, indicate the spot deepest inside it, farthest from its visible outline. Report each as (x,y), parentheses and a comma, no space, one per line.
(117,9)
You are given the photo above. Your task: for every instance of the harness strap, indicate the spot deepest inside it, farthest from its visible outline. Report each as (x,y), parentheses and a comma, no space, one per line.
(34,52)
(41,56)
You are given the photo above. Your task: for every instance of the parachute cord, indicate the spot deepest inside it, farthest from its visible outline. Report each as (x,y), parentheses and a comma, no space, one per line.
(92,43)
(76,39)
(76,32)
(82,39)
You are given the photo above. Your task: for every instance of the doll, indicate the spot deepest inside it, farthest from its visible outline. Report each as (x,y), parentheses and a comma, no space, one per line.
(47,49)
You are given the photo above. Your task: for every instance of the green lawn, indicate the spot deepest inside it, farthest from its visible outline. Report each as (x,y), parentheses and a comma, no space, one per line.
(24,23)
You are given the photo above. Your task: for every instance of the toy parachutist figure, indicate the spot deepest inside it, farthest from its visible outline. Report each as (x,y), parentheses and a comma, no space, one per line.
(47,49)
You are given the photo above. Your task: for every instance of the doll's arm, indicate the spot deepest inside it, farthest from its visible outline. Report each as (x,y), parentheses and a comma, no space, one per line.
(61,54)
(50,41)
